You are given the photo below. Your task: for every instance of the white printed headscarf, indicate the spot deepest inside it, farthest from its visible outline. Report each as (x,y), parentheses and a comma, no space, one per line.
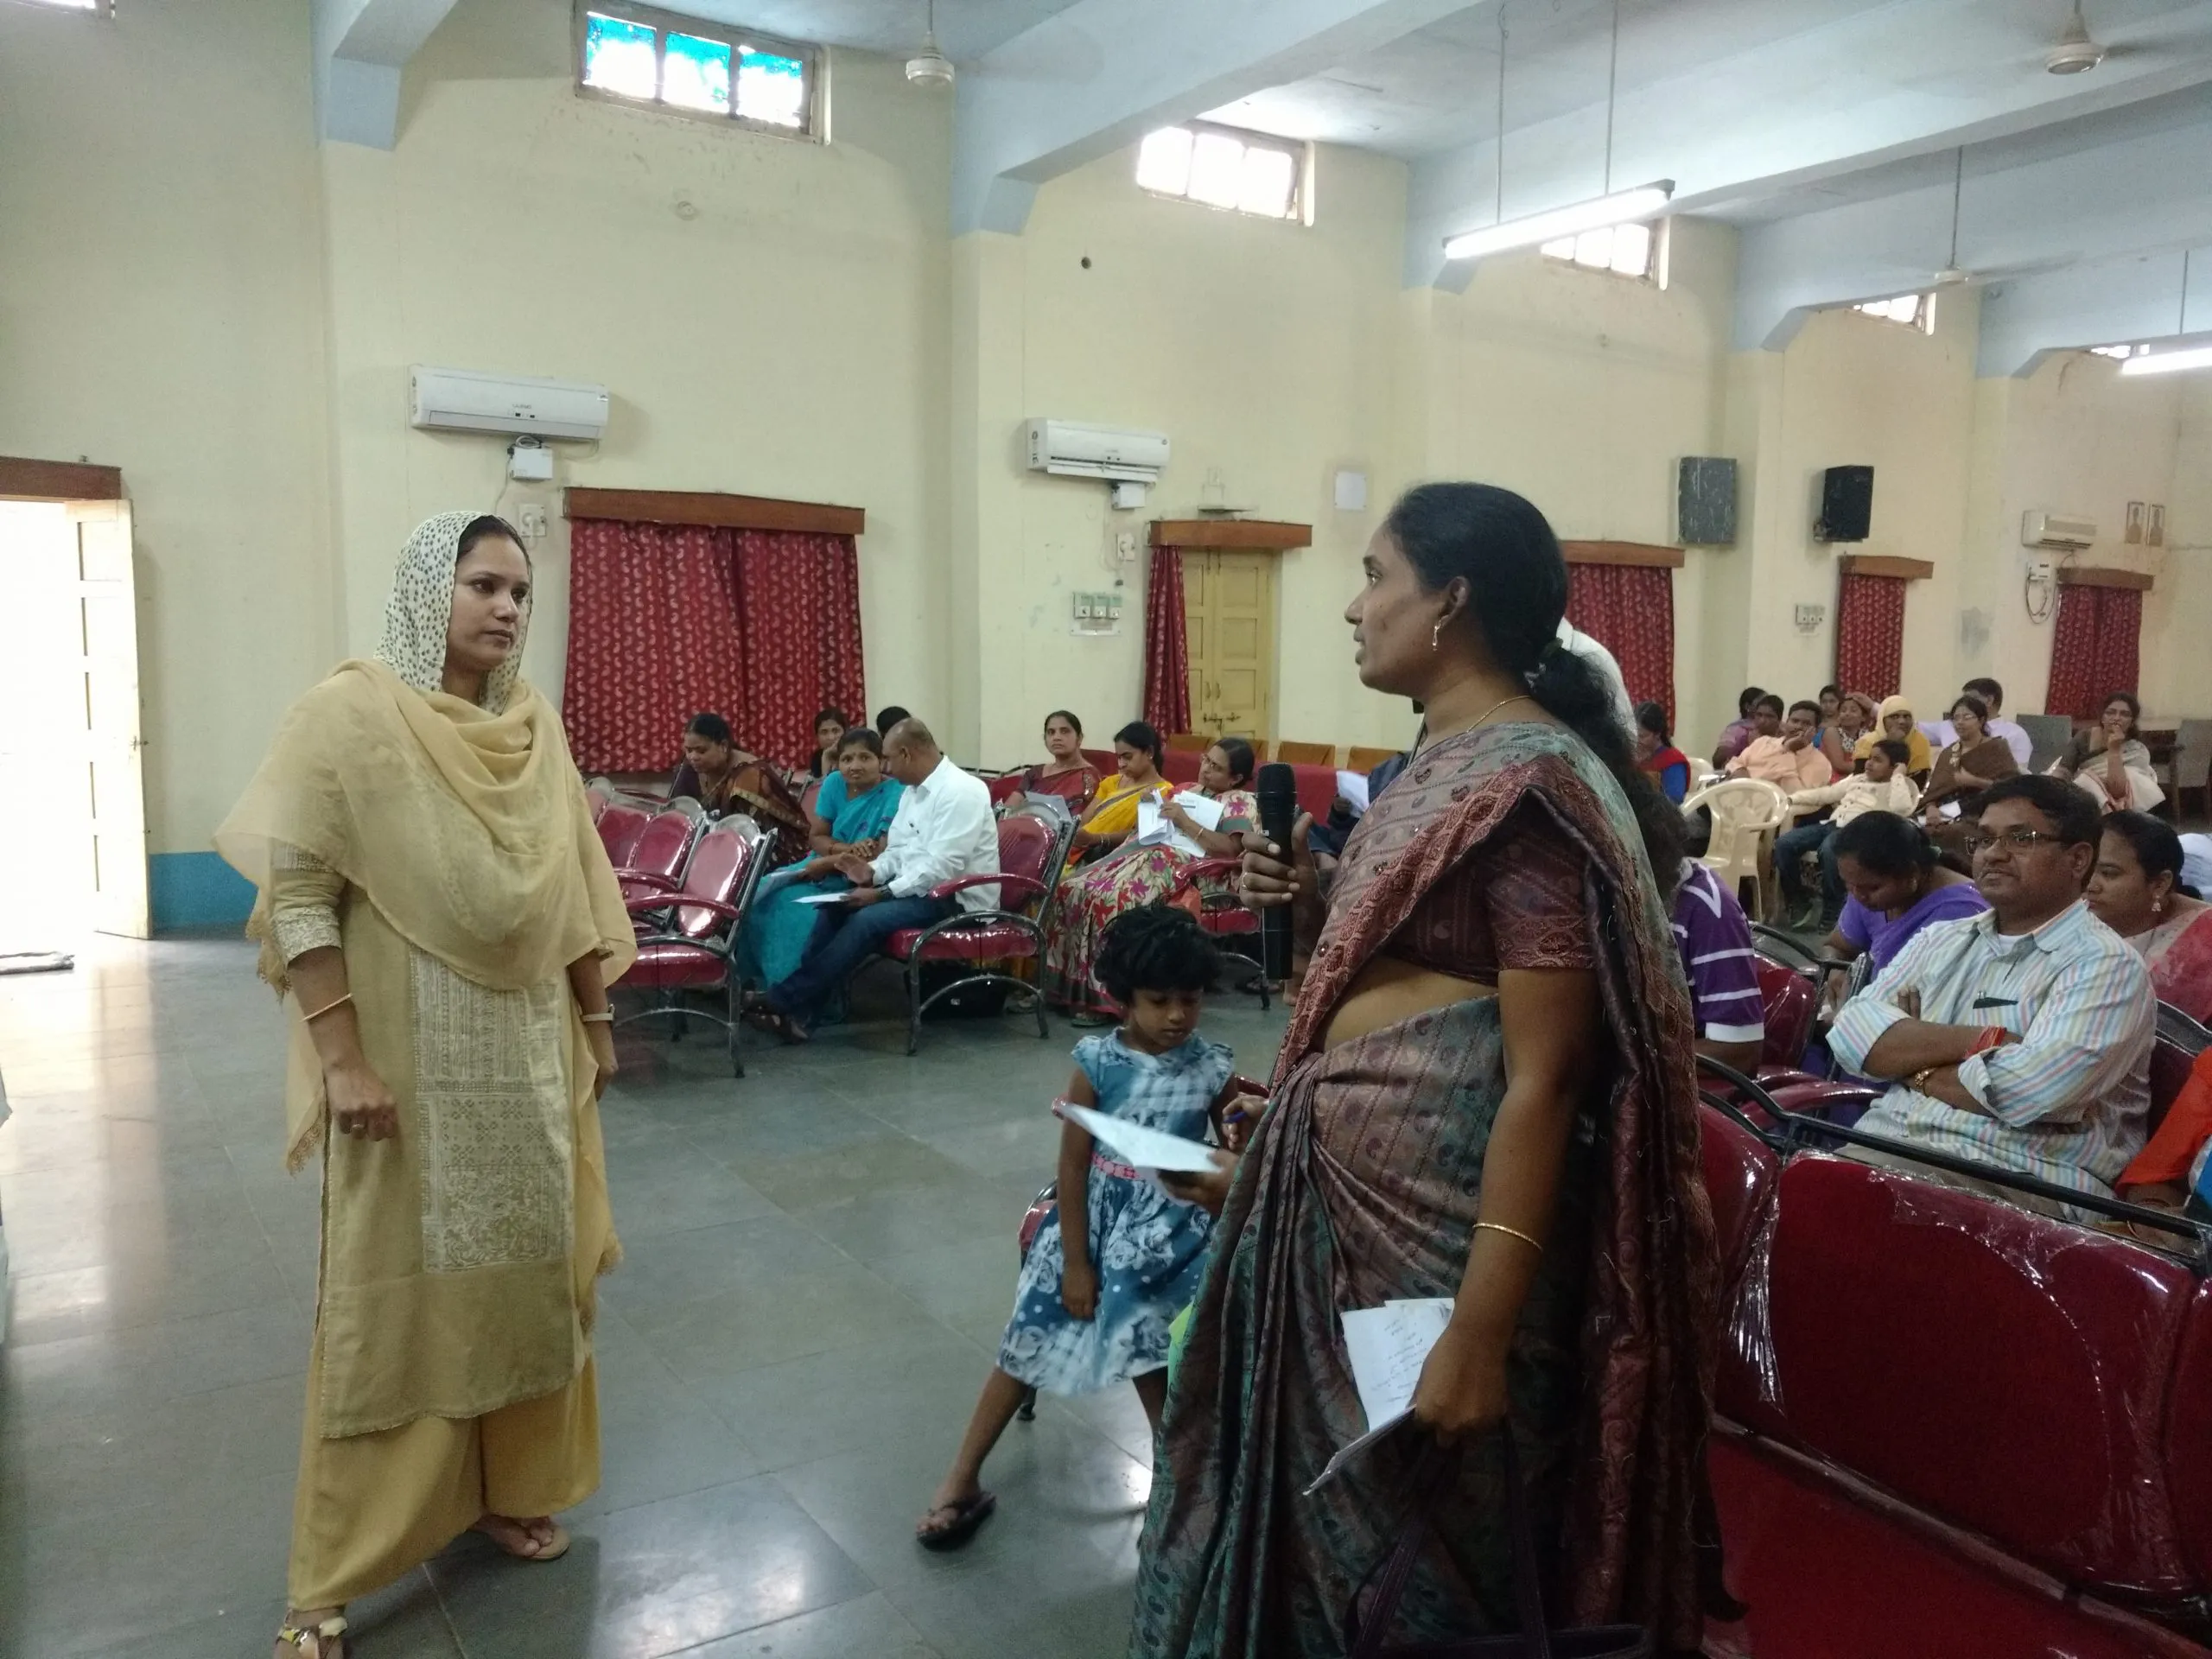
(419,614)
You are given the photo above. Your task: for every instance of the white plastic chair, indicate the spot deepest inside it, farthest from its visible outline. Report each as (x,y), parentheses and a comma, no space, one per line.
(1747,814)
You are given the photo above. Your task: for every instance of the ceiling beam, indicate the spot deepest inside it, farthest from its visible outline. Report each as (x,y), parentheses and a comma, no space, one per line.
(1099,75)
(2040,211)
(1796,112)
(360,47)
(2138,299)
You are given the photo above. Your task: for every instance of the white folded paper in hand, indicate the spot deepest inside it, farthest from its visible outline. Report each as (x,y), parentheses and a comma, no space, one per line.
(838,898)
(1386,1347)
(1352,785)
(1153,829)
(1140,1147)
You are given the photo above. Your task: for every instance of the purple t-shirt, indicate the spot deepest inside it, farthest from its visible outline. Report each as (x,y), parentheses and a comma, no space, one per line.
(1718,957)
(1882,938)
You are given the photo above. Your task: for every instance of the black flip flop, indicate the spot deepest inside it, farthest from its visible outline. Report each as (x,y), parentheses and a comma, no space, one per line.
(968,1515)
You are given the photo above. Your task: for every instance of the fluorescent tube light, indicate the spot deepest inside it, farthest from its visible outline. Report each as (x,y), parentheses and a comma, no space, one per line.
(1619,208)
(2198,357)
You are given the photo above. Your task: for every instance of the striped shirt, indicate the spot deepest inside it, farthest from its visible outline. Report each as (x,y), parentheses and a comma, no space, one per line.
(1716,957)
(2070,1100)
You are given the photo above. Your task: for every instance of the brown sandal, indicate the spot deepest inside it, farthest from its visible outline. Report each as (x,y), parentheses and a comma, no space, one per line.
(323,1633)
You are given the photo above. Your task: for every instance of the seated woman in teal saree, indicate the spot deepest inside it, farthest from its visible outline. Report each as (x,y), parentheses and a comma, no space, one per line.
(1486,1094)
(856,805)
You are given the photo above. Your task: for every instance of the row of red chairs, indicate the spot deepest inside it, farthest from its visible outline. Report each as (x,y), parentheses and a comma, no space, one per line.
(1950,1424)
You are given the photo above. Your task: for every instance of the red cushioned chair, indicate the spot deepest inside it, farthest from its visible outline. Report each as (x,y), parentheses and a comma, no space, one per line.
(1223,916)
(619,826)
(1180,766)
(1790,1002)
(1004,786)
(1032,854)
(686,938)
(811,794)
(658,857)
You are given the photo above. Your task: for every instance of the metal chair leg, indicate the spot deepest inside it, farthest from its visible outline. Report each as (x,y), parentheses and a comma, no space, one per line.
(1027,1413)
(913,1004)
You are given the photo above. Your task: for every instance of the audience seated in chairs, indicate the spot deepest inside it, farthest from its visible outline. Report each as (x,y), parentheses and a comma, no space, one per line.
(724,778)
(944,831)
(1839,732)
(1991,696)
(2020,1038)
(2109,763)
(1894,885)
(1091,898)
(829,732)
(1883,787)
(852,815)
(1971,760)
(1895,720)
(2136,890)
(1788,757)
(1112,816)
(1655,753)
(1720,962)
(1065,773)
(1759,713)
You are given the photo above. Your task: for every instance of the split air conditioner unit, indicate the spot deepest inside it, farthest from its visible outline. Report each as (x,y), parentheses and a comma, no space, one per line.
(2049,530)
(1073,450)
(461,400)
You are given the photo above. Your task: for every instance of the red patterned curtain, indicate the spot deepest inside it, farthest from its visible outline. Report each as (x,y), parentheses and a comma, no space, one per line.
(2094,648)
(1869,634)
(1629,610)
(762,627)
(1166,651)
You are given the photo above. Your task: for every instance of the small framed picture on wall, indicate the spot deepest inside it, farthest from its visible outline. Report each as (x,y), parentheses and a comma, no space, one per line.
(2135,518)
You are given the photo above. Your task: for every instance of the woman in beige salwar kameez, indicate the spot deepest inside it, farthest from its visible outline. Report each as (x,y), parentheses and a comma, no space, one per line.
(441,918)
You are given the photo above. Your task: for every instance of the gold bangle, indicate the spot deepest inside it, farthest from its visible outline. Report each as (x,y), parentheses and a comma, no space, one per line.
(1514,1232)
(334,1003)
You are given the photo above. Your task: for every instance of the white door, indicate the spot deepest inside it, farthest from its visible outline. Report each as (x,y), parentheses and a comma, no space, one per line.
(107,611)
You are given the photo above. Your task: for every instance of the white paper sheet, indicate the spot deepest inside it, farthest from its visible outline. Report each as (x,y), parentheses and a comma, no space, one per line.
(1153,829)
(1352,785)
(821,898)
(1386,1347)
(1142,1148)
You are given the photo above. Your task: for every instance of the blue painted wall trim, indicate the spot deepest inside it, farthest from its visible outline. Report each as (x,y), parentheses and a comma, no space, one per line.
(197,890)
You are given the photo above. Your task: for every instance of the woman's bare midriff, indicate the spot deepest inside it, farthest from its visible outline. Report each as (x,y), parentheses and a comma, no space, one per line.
(1388,990)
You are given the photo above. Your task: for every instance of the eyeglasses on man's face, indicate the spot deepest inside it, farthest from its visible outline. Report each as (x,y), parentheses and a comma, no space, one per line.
(2019,840)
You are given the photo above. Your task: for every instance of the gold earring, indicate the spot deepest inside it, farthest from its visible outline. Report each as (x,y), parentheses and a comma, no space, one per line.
(1436,637)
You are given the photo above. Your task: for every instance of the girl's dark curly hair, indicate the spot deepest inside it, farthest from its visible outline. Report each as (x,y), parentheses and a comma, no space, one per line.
(1156,948)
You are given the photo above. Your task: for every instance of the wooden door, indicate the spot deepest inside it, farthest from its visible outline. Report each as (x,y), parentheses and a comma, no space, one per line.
(1229,604)
(107,610)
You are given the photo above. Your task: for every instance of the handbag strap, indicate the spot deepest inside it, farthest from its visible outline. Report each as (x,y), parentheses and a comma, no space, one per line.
(1535,1635)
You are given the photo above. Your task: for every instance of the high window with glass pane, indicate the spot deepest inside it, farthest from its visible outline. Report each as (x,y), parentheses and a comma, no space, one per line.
(1624,249)
(677,63)
(1221,166)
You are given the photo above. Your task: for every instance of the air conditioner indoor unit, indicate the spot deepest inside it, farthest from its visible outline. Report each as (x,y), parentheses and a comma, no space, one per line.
(1074,450)
(461,400)
(2039,529)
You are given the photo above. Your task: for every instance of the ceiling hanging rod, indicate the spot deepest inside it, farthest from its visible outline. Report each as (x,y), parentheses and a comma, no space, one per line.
(1613,208)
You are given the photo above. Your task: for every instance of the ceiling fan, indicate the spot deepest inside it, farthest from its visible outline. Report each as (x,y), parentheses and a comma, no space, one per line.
(930,67)
(2076,53)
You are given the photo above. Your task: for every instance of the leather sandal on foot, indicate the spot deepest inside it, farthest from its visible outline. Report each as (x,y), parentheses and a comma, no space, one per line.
(327,1636)
(550,1549)
(968,1515)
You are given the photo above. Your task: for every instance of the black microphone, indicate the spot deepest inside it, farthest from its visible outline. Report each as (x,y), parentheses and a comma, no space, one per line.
(1278,798)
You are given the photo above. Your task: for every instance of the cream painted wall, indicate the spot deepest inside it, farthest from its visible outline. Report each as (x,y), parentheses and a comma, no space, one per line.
(1583,392)
(2177,622)
(159,312)
(768,314)
(1854,390)
(1262,349)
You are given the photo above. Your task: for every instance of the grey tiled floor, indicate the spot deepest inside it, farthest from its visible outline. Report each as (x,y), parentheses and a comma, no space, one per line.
(819,1261)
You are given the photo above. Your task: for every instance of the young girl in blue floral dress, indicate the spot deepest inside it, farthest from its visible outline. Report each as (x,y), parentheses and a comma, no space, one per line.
(1093,1308)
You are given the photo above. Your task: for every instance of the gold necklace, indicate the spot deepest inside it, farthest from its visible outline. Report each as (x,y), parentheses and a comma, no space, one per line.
(1426,735)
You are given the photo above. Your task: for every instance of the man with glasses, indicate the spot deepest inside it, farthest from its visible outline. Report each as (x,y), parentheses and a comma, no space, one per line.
(2020,1037)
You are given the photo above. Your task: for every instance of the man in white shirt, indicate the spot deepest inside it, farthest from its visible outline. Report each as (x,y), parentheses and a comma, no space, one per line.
(1943,734)
(944,834)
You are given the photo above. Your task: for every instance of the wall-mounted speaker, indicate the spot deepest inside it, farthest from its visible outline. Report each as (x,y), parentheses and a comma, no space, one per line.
(1847,505)
(1705,501)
